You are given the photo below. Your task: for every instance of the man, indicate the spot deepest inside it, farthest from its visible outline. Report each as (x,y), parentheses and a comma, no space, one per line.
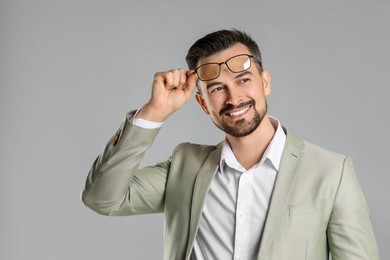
(262,193)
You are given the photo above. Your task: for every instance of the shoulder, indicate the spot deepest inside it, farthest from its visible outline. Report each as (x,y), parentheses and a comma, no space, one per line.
(321,153)
(308,148)
(316,157)
(319,170)
(190,150)
(191,157)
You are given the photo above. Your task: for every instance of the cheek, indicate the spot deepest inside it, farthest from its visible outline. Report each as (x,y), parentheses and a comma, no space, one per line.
(213,105)
(260,93)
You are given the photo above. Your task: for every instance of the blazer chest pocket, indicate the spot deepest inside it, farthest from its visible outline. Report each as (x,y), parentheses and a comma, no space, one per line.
(306,220)
(305,228)
(307,209)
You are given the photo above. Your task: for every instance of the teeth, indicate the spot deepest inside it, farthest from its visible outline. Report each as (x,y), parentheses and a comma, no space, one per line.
(237,113)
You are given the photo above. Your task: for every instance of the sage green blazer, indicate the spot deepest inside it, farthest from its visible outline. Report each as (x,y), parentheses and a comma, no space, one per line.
(317,206)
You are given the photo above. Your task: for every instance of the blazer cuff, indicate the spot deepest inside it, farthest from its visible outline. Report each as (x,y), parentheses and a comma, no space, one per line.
(140,122)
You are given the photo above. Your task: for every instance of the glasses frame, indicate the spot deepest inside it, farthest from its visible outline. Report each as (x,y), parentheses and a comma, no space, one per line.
(226,63)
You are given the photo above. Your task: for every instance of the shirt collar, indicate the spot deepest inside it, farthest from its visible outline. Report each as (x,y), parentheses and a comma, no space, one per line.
(273,152)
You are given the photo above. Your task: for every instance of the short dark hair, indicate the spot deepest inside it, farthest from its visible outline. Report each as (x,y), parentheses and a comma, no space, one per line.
(218,41)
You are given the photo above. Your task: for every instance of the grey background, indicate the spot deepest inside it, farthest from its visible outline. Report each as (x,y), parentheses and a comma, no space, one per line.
(70,70)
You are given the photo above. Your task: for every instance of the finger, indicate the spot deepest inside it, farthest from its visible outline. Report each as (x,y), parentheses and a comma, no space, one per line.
(160,80)
(169,79)
(178,78)
(174,79)
(190,72)
(182,79)
(191,82)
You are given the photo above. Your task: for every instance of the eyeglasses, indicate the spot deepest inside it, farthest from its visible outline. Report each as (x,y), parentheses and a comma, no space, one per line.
(235,64)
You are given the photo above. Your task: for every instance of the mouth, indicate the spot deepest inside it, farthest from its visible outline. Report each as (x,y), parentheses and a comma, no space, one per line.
(238,112)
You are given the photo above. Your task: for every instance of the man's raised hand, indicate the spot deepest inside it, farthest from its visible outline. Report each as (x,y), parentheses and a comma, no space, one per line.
(170,91)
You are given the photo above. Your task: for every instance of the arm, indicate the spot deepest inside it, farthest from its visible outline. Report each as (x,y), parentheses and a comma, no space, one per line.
(115,185)
(350,235)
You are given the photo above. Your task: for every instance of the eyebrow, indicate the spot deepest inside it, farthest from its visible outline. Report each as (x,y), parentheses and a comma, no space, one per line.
(212,84)
(243,74)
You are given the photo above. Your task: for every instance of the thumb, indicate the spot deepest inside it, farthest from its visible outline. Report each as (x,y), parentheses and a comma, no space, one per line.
(190,83)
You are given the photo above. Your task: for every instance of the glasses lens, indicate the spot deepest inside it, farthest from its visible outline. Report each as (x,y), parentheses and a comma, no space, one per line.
(235,64)
(239,63)
(208,71)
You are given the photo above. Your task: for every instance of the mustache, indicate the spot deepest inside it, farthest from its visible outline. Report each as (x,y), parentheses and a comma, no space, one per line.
(230,107)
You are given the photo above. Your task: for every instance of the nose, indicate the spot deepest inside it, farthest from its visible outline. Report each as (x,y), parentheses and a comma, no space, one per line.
(233,95)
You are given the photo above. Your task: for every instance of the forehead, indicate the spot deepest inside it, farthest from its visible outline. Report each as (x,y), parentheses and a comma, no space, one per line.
(223,55)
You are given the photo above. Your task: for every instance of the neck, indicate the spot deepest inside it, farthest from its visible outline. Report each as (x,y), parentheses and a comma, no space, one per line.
(249,149)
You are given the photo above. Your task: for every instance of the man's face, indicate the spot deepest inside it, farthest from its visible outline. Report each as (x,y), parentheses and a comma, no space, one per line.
(235,101)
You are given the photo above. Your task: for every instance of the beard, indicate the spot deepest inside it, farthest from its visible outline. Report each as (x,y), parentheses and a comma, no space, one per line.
(242,127)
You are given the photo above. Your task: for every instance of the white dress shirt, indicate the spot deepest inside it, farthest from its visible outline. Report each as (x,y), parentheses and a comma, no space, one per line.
(237,202)
(236,205)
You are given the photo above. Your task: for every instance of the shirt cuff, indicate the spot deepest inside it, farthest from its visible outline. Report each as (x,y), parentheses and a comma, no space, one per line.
(142,122)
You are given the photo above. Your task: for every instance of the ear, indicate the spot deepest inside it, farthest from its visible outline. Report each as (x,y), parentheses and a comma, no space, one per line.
(266,80)
(201,102)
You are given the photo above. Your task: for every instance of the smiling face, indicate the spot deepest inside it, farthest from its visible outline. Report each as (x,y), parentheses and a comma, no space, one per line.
(236,102)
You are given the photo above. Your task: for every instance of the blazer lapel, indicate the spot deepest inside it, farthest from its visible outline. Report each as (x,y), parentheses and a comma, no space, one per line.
(201,186)
(284,183)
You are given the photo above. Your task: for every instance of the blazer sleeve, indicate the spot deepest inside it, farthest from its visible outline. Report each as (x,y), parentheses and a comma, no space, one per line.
(115,185)
(350,234)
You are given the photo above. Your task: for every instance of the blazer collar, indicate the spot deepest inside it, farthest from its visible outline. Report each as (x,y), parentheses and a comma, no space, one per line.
(201,186)
(289,166)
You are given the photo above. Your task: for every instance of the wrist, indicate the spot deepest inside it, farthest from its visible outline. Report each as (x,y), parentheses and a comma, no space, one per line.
(149,113)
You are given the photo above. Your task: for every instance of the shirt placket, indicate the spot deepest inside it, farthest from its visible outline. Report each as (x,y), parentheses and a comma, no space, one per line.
(243,215)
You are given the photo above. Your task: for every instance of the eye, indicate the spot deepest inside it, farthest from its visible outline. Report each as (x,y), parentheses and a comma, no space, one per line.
(244,80)
(241,81)
(216,90)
